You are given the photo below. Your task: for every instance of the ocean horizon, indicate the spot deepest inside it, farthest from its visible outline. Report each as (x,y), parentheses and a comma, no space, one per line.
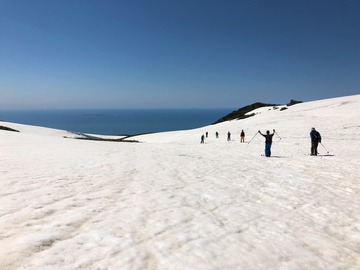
(116,121)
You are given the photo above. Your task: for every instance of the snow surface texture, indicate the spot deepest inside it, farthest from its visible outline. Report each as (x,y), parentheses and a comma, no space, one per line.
(173,203)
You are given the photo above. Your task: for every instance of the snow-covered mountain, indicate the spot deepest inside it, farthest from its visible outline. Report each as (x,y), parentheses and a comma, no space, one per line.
(173,203)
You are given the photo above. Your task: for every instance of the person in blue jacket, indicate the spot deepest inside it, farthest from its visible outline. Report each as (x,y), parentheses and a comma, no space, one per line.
(315,140)
(268,142)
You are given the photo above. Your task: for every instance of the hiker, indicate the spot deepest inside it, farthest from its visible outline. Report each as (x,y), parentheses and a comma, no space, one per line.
(229,136)
(217,135)
(207,134)
(202,139)
(315,140)
(268,142)
(242,136)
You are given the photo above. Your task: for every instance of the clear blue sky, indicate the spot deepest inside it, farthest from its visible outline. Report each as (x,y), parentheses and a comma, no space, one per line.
(176,53)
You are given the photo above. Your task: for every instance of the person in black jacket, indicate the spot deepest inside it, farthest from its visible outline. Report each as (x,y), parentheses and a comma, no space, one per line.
(315,140)
(242,136)
(202,139)
(229,136)
(268,142)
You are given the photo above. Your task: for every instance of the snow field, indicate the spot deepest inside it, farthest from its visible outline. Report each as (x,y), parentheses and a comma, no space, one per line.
(172,203)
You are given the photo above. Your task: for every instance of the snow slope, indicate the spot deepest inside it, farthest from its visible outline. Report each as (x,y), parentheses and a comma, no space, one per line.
(172,203)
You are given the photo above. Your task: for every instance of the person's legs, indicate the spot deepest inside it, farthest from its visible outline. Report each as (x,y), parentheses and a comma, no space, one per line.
(267,150)
(316,144)
(312,148)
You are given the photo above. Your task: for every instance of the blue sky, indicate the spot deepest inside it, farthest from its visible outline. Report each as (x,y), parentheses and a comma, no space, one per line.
(176,54)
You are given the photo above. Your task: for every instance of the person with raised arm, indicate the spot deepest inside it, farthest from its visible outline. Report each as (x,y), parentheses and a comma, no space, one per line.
(268,142)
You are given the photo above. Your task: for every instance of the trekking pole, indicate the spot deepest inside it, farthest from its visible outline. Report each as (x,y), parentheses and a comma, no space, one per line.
(278,135)
(253,137)
(324,148)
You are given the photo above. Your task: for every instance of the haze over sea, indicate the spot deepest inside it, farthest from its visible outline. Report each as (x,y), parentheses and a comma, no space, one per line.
(116,121)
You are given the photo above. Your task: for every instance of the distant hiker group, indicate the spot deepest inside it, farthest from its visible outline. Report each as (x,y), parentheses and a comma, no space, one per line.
(242,136)
(314,136)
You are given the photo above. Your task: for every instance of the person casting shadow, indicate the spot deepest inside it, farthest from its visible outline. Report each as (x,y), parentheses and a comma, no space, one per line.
(315,140)
(268,142)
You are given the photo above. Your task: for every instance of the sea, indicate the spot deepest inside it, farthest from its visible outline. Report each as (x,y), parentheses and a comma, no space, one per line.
(116,121)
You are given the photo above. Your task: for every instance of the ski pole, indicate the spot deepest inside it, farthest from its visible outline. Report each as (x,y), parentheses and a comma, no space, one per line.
(278,135)
(324,148)
(253,137)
